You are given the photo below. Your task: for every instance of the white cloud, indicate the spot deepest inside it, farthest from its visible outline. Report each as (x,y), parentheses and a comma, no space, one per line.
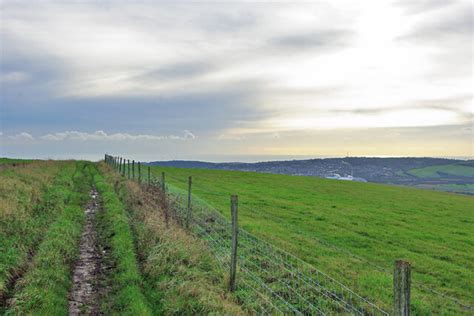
(103,136)
(22,137)
(13,77)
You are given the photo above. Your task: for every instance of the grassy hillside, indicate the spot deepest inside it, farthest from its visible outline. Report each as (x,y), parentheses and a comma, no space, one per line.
(354,231)
(434,172)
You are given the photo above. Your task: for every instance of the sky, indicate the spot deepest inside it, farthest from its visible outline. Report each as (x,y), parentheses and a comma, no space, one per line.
(236,80)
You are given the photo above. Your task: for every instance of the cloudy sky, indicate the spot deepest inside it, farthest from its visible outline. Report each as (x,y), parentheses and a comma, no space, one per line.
(235,79)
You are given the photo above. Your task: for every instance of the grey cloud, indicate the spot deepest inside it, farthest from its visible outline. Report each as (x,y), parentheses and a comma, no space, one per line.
(185,70)
(226,22)
(459,21)
(324,40)
(446,104)
(423,6)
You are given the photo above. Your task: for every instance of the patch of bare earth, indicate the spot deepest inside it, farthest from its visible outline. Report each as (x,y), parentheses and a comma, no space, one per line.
(85,293)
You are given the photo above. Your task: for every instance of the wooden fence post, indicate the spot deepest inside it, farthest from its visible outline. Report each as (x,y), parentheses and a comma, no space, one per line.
(139,173)
(149,180)
(163,187)
(120,165)
(235,232)
(133,169)
(188,215)
(123,168)
(401,288)
(128,168)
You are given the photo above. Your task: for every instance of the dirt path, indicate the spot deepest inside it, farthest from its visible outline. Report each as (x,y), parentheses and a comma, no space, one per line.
(85,292)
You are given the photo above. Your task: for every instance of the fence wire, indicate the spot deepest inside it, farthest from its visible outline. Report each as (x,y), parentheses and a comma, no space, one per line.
(270,280)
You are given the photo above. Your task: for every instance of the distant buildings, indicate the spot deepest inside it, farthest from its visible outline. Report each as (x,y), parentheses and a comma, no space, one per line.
(346,178)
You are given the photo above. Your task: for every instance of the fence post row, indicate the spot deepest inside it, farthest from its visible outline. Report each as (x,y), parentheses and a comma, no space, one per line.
(401,288)
(235,232)
(188,214)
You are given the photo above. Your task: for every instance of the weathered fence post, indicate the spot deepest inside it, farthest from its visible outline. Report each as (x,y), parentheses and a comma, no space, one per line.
(401,288)
(128,168)
(188,215)
(120,165)
(163,187)
(139,173)
(123,168)
(149,179)
(235,232)
(133,169)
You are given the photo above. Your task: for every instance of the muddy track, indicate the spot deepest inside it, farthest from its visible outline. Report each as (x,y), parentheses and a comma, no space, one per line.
(88,270)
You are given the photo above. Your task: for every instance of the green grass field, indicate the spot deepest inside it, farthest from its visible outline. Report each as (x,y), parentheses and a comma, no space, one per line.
(458,170)
(12,161)
(347,229)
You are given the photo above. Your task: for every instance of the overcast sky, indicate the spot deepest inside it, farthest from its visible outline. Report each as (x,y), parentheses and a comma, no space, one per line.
(196,80)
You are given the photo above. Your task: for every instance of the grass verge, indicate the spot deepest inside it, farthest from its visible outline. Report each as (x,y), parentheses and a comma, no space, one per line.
(124,295)
(180,275)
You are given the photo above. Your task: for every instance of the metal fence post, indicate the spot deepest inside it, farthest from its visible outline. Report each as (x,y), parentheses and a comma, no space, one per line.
(401,288)
(188,215)
(235,232)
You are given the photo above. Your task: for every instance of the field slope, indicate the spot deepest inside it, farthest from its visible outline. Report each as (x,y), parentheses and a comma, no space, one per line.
(459,170)
(354,231)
